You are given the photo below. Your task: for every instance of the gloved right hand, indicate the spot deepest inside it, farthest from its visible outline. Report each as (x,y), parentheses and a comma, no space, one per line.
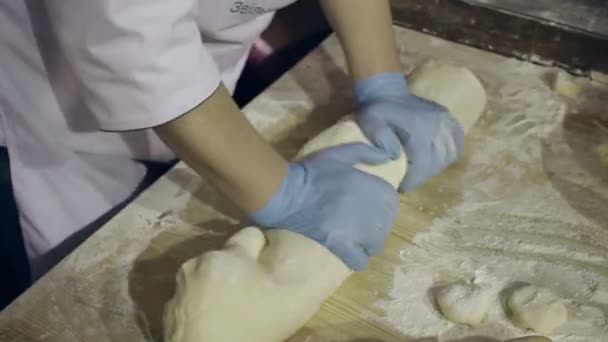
(326,199)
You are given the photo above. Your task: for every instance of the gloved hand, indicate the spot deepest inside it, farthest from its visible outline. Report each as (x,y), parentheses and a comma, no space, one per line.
(392,117)
(326,199)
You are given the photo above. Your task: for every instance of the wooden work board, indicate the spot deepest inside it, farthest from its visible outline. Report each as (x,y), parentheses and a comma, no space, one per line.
(113,287)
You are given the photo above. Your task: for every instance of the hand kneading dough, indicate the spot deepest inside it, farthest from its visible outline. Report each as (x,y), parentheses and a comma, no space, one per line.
(264,292)
(456,88)
(464,303)
(538,309)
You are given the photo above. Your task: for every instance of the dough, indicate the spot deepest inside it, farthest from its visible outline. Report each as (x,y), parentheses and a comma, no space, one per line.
(257,289)
(347,131)
(536,308)
(260,290)
(464,303)
(454,87)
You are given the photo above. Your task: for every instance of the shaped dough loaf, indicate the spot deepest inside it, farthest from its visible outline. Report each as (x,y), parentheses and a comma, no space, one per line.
(263,289)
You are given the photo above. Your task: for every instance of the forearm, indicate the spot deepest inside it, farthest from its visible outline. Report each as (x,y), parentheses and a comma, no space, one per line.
(216,138)
(365,30)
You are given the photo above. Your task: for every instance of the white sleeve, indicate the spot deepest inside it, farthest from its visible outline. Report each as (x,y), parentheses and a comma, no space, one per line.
(141,63)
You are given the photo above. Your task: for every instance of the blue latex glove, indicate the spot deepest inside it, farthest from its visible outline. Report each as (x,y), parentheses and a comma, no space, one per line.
(326,199)
(392,117)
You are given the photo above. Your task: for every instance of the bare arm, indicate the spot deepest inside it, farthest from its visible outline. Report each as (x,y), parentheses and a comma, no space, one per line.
(366,33)
(217,138)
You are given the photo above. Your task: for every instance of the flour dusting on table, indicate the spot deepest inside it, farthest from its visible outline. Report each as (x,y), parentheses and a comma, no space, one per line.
(516,223)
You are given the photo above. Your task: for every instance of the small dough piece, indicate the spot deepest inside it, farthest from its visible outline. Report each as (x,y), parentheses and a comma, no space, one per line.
(530,339)
(464,303)
(538,309)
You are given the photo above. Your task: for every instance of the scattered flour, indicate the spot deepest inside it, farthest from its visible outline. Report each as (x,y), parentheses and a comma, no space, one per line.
(529,214)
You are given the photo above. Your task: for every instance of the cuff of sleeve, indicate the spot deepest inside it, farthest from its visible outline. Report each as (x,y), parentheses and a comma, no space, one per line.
(175,106)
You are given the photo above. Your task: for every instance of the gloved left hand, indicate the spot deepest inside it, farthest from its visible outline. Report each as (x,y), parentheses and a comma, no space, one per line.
(325,198)
(393,118)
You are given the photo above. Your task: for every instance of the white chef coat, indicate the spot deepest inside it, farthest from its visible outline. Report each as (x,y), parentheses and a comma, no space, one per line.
(77,76)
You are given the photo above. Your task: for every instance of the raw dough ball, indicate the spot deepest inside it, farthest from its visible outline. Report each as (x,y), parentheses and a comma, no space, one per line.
(538,309)
(464,303)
